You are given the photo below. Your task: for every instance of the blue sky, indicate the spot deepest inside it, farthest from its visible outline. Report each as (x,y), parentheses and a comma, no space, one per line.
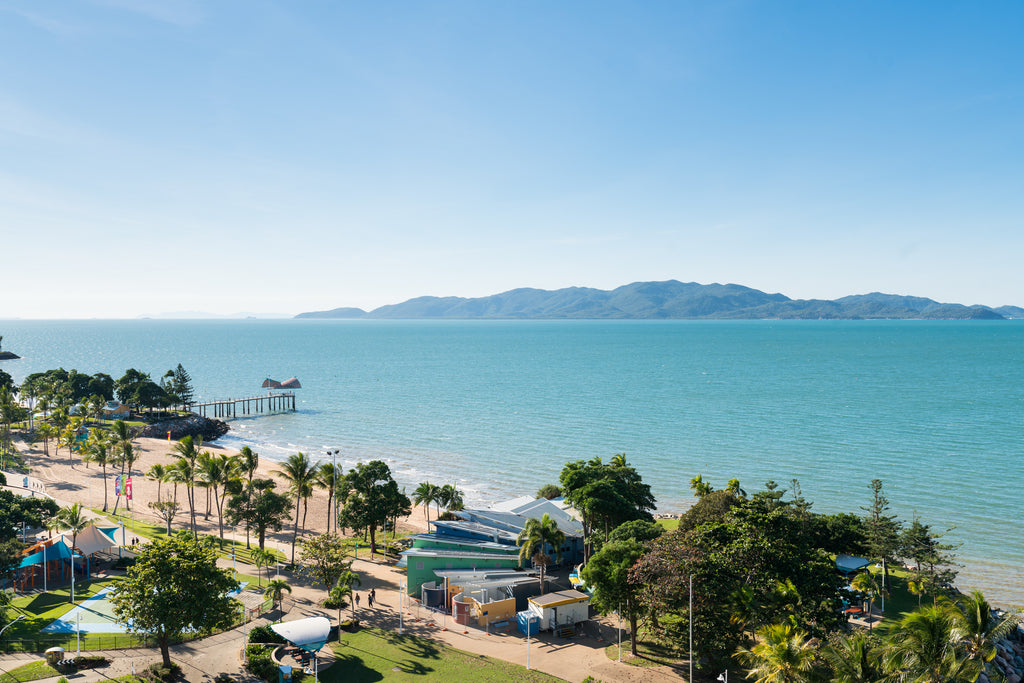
(278,157)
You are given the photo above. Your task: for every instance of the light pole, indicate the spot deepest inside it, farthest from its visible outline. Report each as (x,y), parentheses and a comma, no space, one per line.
(13,622)
(690,619)
(334,487)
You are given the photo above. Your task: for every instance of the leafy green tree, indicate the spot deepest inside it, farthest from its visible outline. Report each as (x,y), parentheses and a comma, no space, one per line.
(166,510)
(549,491)
(935,561)
(756,544)
(534,540)
(324,559)
(260,508)
(174,587)
(783,654)
(300,474)
(608,574)
(605,495)
(882,530)
(374,500)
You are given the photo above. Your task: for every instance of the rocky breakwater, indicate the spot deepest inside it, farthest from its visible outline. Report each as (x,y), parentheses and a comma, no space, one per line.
(1009,658)
(193,425)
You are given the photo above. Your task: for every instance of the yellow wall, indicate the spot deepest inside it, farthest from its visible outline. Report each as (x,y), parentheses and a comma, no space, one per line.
(496,611)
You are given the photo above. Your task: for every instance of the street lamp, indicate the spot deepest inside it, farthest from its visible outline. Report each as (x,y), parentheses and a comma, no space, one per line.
(13,622)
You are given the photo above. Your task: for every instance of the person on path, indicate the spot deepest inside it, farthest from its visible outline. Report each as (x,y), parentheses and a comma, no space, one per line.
(357,600)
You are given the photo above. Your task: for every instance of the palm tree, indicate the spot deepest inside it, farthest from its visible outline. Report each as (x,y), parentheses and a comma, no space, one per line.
(72,519)
(425,494)
(300,474)
(275,590)
(101,452)
(95,407)
(924,648)
(158,473)
(865,583)
(262,558)
(978,629)
(217,472)
(450,497)
(533,540)
(782,654)
(854,659)
(187,452)
(250,460)
(69,437)
(328,476)
(346,585)
(45,431)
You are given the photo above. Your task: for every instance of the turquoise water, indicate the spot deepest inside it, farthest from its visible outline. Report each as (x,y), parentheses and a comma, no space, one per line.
(932,408)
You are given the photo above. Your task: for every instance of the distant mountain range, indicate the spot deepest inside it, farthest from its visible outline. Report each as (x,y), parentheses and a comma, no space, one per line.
(670,300)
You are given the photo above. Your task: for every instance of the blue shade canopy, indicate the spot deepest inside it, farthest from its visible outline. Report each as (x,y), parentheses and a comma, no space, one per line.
(56,551)
(310,634)
(851,563)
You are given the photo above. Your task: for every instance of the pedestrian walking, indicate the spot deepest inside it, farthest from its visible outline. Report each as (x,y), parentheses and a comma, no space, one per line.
(369,598)
(357,599)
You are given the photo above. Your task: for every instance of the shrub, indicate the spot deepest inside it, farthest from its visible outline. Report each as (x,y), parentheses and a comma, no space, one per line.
(158,672)
(259,663)
(264,634)
(90,662)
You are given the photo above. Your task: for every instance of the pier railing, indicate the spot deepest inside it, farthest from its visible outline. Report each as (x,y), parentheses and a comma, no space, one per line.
(250,405)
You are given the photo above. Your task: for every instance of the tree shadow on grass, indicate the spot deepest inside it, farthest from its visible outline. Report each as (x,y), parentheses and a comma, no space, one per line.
(415,646)
(351,669)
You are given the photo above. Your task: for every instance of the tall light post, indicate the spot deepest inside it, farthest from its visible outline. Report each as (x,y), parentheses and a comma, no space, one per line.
(334,484)
(13,622)
(690,619)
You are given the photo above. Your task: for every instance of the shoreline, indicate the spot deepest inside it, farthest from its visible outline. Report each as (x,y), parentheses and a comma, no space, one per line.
(70,483)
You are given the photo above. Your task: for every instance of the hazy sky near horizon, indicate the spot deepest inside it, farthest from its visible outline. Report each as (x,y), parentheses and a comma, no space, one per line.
(276,157)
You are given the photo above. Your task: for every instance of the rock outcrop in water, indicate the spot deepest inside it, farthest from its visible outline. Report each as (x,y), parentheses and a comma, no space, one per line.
(193,425)
(7,355)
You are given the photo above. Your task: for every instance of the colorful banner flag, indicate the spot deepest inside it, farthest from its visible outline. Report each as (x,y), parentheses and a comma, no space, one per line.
(117,485)
(128,487)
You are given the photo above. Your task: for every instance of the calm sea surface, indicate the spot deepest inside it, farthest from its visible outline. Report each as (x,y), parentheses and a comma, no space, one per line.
(934,409)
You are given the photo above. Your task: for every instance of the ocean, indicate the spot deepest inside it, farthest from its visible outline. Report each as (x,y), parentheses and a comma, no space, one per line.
(933,408)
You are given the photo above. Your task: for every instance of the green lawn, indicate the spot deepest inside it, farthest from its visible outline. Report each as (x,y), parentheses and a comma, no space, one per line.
(33,671)
(668,524)
(372,654)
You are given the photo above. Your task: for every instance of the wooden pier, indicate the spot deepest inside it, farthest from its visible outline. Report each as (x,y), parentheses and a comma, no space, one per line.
(252,405)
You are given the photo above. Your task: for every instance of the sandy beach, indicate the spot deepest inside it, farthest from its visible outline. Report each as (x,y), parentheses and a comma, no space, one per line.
(71,481)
